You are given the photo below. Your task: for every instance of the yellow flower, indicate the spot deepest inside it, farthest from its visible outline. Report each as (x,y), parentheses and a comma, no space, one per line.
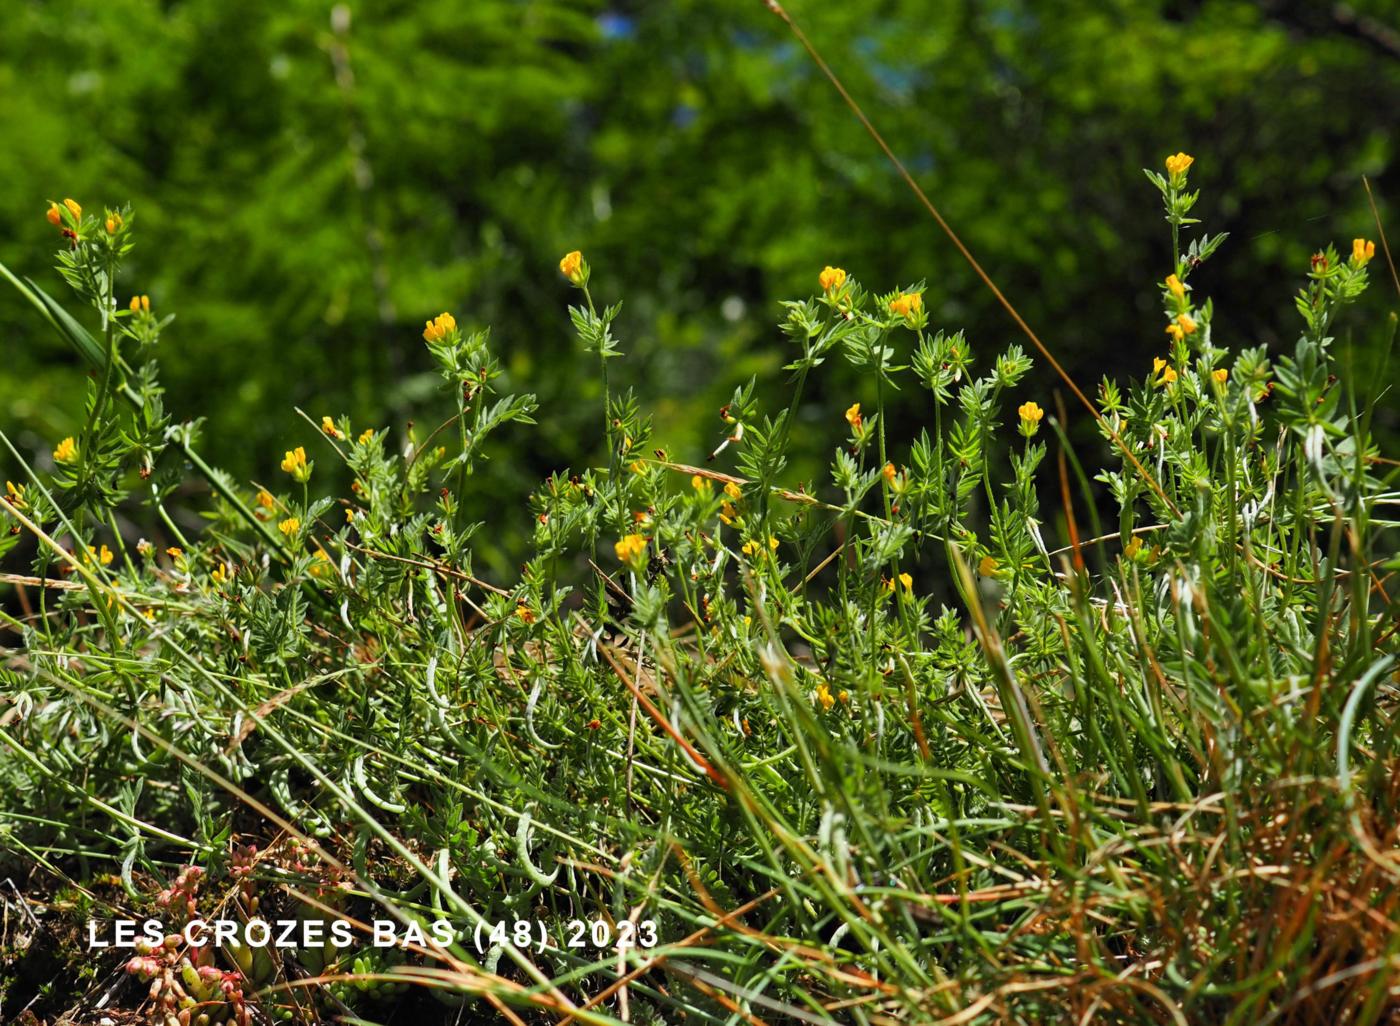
(220,573)
(67,451)
(439,327)
(1362,251)
(265,499)
(1175,287)
(15,493)
(103,555)
(1177,165)
(73,208)
(631,548)
(1175,331)
(54,214)
(349,514)
(727,513)
(1031,415)
(754,547)
(889,473)
(701,485)
(140,304)
(366,436)
(1168,375)
(525,613)
(572,266)
(824,697)
(843,696)
(328,426)
(320,564)
(987,567)
(853,416)
(290,526)
(294,463)
(1188,326)
(733,491)
(637,466)
(1220,374)
(175,552)
(1133,547)
(907,580)
(831,278)
(114,221)
(907,304)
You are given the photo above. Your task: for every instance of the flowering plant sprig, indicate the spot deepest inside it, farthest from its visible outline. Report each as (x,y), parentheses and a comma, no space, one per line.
(465,362)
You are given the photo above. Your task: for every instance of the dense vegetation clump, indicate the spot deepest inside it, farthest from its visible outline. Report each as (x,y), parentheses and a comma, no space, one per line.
(905,744)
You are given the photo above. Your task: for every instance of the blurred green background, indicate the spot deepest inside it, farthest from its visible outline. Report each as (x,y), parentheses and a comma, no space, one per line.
(313,180)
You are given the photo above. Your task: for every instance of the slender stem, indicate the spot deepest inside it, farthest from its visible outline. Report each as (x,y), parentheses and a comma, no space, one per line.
(99,402)
(464,441)
(607,427)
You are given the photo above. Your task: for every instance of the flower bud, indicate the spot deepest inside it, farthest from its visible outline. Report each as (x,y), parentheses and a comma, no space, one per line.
(1031,415)
(574,267)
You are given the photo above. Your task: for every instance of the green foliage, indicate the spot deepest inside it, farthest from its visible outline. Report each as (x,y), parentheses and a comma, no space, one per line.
(868,752)
(316,179)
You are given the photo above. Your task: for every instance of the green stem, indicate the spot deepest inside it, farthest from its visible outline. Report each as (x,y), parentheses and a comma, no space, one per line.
(880,422)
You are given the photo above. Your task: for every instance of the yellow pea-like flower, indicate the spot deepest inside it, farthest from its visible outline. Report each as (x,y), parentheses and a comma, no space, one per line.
(1178,163)
(1031,415)
(294,462)
(439,327)
(907,304)
(631,548)
(831,278)
(573,267)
